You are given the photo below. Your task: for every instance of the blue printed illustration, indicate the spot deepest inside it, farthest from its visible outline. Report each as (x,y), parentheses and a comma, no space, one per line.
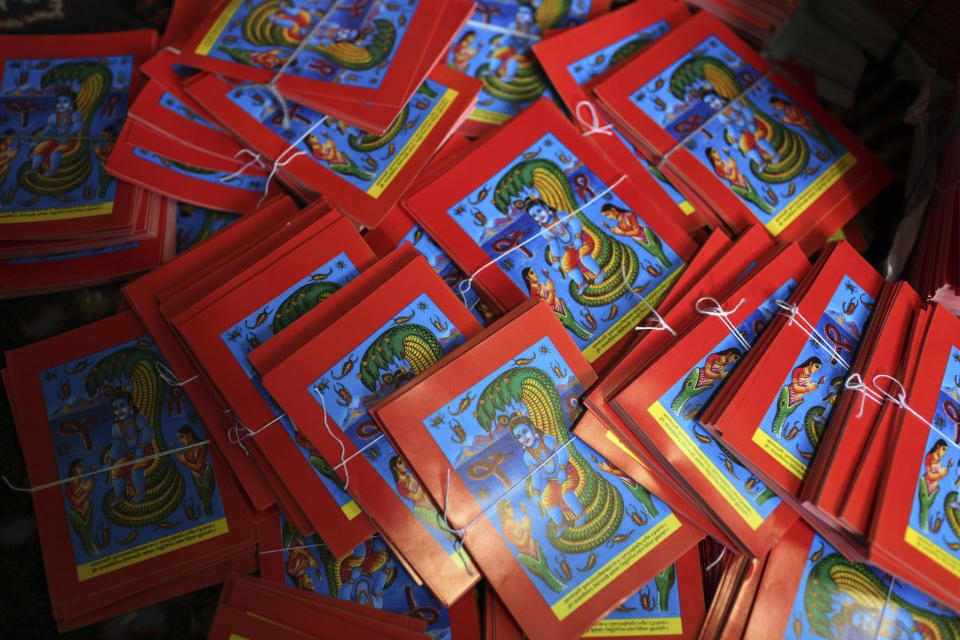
(62,117)
(564,511)
(366,161)
(417,337)
(689,395)
(496,47)
(353,46)
(838,598)
(748,132)
(937,499)
(113,407)
(611,55)
(196,224)
(170,102)
(213,176)
(566,238)
(450,272)
(369,575)
(817,376)
(266,321)
(653,610)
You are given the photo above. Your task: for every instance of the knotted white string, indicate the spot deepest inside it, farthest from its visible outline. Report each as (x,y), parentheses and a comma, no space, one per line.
(855,383)
(661,323)
(167,375)
(469,281)
(234,433)
(719,312)
(254,161)
(792,311)
(593,126)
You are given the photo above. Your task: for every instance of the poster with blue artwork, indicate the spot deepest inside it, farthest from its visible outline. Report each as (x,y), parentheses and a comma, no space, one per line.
(366,161)
(62,118)
(110,408)
(937,501)
(839,599)
(370,575)
(353,45)
(791,435)
(554,501)
(496,47)
(677,411)
(264,322)
(417,337)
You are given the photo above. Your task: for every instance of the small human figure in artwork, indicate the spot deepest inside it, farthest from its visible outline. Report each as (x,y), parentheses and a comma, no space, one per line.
(299,562)
(543,289)
(933,472)
(714,369)
(59,135)
(325,151)
(628,225)
(727,170)
(505,60)
(195,459)
(78,491)
(132,441)
(567,244)
(792,394)
(519,533)
(464,51)
(794,115)
(409,487)
(749,133)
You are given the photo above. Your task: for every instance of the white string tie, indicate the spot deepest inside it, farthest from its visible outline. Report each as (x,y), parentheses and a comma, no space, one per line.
(120,465)
(724,316)
(593,125)
(854,382)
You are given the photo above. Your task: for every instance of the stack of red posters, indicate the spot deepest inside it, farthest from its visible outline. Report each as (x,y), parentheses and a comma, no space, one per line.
(134,503)
(915,532)
(774,411)
(257,609)
(562,535)
(738,138)
(577,59)
(536,210)
(147,293)
(254,301)
(811,590)
(348,354)
(65,222)
(715,267)
(668,607)
(664,403)
(371,574)
(841,484)
(356,63)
